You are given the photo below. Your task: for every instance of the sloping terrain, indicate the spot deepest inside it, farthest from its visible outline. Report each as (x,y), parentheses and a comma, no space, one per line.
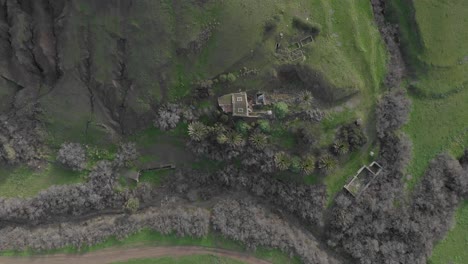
(114,104)
(433,34)
(100,66)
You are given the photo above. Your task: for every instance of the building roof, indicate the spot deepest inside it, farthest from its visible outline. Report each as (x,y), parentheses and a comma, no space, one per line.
(363,179)
(225,102)
(235,103)
(240,104)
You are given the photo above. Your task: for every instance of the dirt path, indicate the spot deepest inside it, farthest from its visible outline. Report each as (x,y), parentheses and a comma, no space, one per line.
(117,254)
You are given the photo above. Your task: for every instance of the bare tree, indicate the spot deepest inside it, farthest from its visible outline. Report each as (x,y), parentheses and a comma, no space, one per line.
(72,155)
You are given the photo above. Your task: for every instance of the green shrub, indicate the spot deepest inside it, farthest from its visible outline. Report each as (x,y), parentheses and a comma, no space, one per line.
(295,165)
(231,78)
(281,110)
(132,204)
(242,127)
(227,78)
(264,126)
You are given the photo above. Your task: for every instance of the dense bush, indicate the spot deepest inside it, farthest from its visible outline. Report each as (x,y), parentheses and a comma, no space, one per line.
(72,155)
(392,112)
(353,135)
(390,34)
(21,139)
(254,226)
(126,154)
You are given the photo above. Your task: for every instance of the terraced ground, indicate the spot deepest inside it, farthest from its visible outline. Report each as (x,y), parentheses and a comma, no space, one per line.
(434,38)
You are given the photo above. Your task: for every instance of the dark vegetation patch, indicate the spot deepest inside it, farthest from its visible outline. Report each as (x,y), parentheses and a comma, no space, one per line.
(305,77)
(311,28)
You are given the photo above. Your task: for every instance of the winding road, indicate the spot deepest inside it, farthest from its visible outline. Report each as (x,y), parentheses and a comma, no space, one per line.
(123,254)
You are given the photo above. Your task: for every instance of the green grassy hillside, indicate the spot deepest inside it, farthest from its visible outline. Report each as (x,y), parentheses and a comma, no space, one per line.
(434,38)
(151,40)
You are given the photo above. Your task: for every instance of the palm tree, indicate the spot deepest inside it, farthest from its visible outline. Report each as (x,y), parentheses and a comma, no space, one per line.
(306,97)
(308,164)
(198,131)
(217,129)
(340,147)
(258,140)
(282,160)
(327,163)
(234,139)
(221,138)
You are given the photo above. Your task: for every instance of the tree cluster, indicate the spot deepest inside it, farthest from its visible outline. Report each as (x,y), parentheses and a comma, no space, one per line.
(169,115)
(72,155)
(305,201)
(392,112)
(381,227)
(253,225)
(184,221)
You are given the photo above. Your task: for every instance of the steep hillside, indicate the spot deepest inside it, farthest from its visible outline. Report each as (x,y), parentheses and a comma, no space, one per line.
(100,66)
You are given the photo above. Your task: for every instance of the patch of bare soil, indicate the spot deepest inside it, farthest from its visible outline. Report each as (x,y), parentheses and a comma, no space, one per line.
(118,254)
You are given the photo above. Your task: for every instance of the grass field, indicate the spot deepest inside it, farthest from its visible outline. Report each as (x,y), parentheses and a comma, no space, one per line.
(194,259)
(434,38)
(25,182)
(437,125)
(452,249)
(152,238)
